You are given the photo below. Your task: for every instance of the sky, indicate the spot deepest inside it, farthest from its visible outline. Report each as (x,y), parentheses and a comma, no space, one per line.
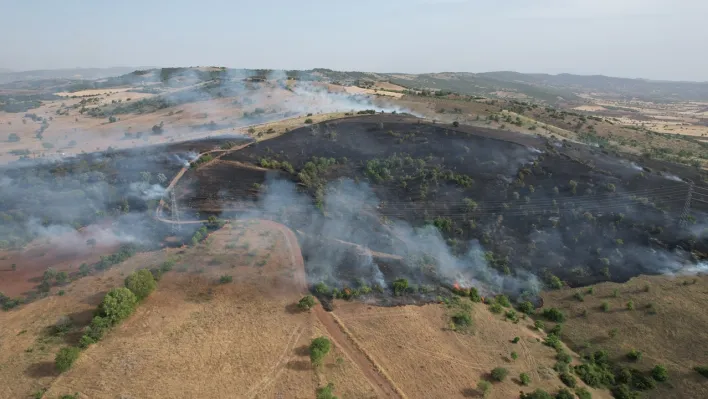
(654,39)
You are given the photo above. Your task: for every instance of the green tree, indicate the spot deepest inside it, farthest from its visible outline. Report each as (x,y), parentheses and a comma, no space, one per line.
(118,304)
(514,355)
(225,279)
(400,286)
(62,277)
(634,355)
(537,394)
(66,357)
(524,378)
(554,314)
(499,373)
(141,283)
(660,373)
(583,393)
(568,379)
(325,392)
(306,302)
(319,348)
(484,387)
(526,307)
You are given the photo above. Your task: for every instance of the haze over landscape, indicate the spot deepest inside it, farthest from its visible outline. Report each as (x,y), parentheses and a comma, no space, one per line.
(653,39)
(393,199)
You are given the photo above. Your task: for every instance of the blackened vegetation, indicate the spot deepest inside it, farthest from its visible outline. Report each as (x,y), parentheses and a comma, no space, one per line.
(569,213)
(46,199)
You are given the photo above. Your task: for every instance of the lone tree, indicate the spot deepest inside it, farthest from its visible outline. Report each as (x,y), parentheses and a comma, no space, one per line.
(306,303)
(499,374)
(319,348)
(484,387)
(141,283)
(66,358)
(118,304)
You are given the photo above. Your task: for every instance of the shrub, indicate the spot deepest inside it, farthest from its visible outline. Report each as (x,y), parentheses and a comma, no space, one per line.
(605,307)
(634,355)
(86,341)
(503,300)
(325,392)
(13,138)
(515,340)
(99,325)
(537,394)
(568,379)
(455,124)
(496,308)
(564,394)
(485,387)
(583,393)
(225,279)
(514,355)
(308,120)
(660,373)
(400,286)
(539,324)
(319,348)
(564,357)
(306,303)
(462,319)
(63,326)
(141,283)
(524,378)
(499,374)
(624,392)
(554,314)
(321,288)
(118,304)
(474,295)
(595,375)
(526,307)
(579,296)
(630,305)
(702,370)
(66,358)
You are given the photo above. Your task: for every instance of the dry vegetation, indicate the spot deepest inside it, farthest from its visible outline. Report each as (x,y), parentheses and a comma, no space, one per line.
(666,324)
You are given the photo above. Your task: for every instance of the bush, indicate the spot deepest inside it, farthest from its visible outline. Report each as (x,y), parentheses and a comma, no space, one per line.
(526,307)
(634,355)
(568,379)
(141,283)
(515,340)
(319,348)
(462,319)
(400,286)
(624,392)
(583,393)
(660,373)
(225,279)
(118,304)
(325,392)
(514,355)
(564,394)
(564,357)
(554,314)
(496,308)
(539,324)
(306,303)
(66,358)
(503,300)
(595,375)
(702,370)
(537,394)
(524,378)
(630,305)
(455,124)
(605,307)
(308,120)
(13,138)
(485,387)
(499,374)
(86,341)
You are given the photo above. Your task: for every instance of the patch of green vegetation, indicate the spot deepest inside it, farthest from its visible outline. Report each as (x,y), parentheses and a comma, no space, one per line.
(319,348)
(499,373)
(65,358)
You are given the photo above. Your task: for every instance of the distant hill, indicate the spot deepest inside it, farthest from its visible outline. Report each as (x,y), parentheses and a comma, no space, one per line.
(8,76)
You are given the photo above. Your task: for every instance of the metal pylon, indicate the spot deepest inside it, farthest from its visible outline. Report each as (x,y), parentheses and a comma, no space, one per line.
(683,219)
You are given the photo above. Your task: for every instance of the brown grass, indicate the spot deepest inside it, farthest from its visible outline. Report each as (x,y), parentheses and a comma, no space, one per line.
(675,336)
(416,348)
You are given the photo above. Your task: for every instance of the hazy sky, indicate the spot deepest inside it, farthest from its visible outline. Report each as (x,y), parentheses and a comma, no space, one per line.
(659,39)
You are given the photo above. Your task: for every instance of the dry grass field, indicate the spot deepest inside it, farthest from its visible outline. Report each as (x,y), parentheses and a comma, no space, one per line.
(667,324)
(426,359)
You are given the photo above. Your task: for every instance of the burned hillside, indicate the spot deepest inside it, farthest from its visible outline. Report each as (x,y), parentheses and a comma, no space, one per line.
(521,204)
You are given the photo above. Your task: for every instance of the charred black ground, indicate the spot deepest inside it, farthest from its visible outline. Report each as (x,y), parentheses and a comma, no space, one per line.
(549,207)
